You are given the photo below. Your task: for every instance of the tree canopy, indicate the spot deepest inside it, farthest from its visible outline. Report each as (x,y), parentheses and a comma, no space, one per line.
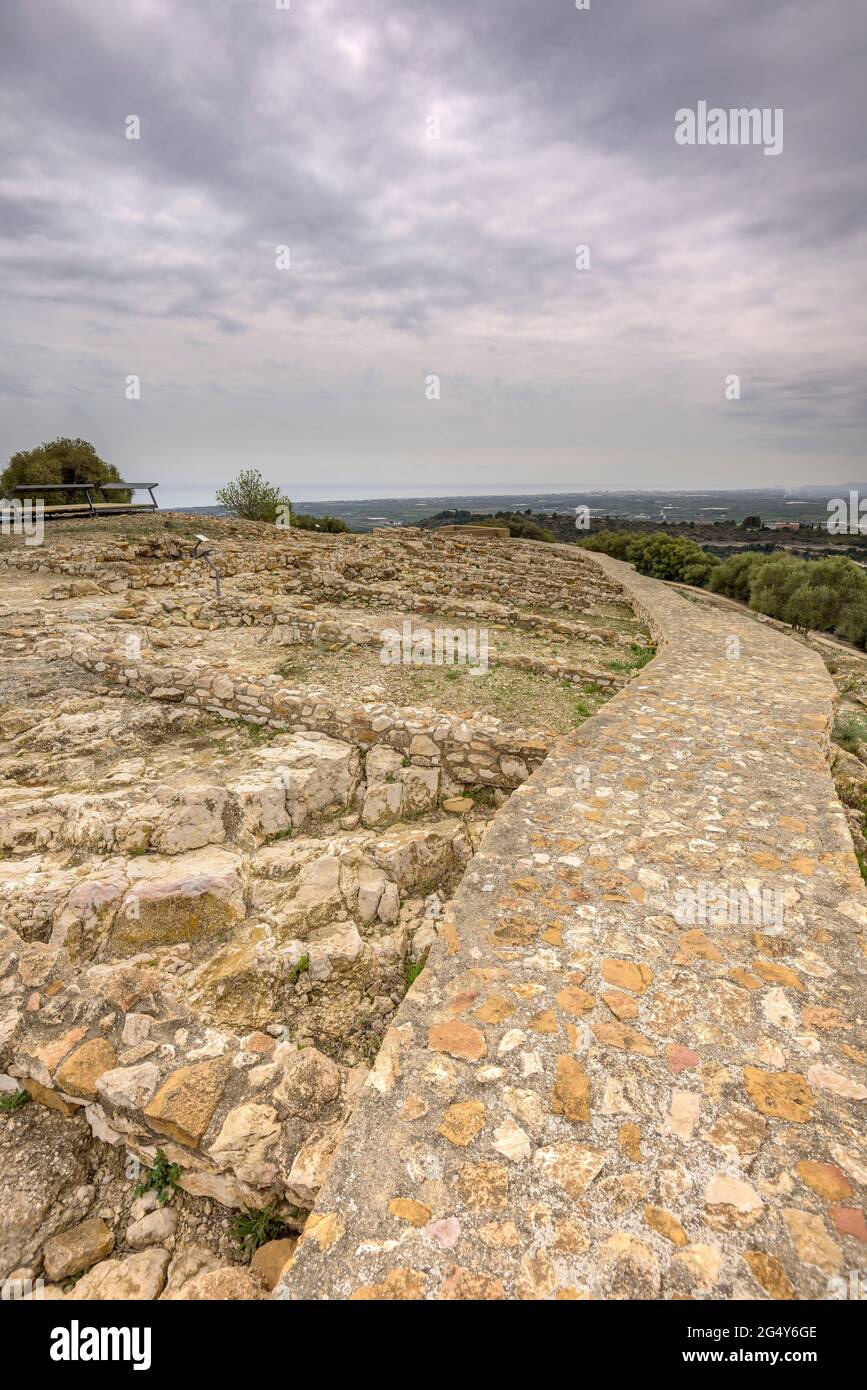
(58,461)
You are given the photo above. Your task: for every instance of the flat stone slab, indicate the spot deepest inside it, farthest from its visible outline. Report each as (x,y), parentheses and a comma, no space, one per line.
(632,1065)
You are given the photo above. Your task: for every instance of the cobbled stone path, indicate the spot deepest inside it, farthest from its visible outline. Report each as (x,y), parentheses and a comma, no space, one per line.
(586,1094)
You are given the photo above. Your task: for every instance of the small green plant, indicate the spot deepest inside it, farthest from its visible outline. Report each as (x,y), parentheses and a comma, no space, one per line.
(412,969)
(452,674)
(300,969)
(259,733)
(162,1179)
(254,1227)
(850,730)
(482,796)
(368,1048)
(638,657)
(582,709)
(281,834)
(15,1101)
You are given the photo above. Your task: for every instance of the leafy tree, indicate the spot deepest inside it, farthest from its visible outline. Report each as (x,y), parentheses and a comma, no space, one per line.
(657,554)
(752,523)
(773,585)
(60,460)
(812,606)
(735,575)
(851,624)
(610,543)
(251,498)
(845,585)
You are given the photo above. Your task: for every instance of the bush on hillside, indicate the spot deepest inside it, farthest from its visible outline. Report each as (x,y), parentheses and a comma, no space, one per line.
(251,498)
(773,585)
(735,575)
(519,527)
(814,595)
(657,554)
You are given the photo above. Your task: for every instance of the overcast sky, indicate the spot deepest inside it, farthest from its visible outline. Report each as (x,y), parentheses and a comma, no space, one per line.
(310,127)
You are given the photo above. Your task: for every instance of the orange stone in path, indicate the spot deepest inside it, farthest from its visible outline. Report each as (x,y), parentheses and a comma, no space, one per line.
(571,1093)
(825,1178)
(405,1209)
(458,1040)
(767,1271)
(626,974)
(681,1058)
(850,1222)
(784,1094)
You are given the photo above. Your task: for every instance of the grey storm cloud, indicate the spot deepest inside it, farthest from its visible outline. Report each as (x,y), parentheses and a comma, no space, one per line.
(309,127)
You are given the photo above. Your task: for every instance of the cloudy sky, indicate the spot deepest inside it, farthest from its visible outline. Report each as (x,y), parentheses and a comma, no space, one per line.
(311,127)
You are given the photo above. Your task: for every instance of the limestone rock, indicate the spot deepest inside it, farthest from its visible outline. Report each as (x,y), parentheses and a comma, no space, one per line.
(309,1085)
(271,1259)
(232,1283)
(183,1106)
(154,1229)
(138,1278)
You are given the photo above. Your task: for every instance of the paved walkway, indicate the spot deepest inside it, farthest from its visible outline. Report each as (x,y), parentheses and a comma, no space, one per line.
(631,1068)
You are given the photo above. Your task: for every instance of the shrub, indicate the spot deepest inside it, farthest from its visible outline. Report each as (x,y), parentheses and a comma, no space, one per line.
(255,1226)
(162,1179)
(657,554)
(251,498)
(15,1100)
(815,595)
(525,530)
(812,606)
(610,543)
(413,968)
(735,575)
(59,461)
(851,624)
(850,730)
(774,584)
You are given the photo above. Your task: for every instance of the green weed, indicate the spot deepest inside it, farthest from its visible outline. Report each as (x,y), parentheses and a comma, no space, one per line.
(162,1179)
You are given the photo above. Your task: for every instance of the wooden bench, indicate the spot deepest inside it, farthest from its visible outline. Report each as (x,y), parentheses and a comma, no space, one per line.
(87,506)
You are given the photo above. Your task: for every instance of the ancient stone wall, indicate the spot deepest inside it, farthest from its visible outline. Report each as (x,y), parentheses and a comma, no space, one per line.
(470,751)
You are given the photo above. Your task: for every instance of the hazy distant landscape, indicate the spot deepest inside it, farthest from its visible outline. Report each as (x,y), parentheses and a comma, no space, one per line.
(807,504)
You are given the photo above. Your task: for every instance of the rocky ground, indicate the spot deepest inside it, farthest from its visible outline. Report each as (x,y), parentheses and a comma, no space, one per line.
(228,837)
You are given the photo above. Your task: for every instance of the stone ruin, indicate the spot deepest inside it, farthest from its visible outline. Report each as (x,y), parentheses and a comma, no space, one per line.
(216,884)
(409,976)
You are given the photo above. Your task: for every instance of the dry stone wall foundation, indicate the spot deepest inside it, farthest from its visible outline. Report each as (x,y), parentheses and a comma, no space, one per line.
(583,1096)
